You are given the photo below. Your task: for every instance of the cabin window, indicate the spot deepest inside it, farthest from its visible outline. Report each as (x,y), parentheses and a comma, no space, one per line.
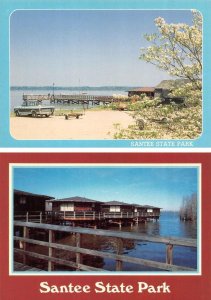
(149,210)
(48,206)
(67,207)
(22,200)
(114,208)
(135,210)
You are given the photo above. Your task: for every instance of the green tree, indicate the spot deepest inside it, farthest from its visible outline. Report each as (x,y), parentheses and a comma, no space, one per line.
(177,49)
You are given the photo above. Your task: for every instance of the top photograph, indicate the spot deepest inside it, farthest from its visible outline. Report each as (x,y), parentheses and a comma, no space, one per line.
(107,78)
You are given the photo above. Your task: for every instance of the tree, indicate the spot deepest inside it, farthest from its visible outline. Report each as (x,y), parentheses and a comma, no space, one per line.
(188,209)
(177,49)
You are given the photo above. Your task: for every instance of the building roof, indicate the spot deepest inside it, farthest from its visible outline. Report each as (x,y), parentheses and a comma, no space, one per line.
(142,89)
(76,199)
(116,203)
(23,193)
(145,206)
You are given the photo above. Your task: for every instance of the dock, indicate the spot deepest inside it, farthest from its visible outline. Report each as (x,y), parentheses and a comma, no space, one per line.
(78,263)
(73,99)
(21,267)
(88,219)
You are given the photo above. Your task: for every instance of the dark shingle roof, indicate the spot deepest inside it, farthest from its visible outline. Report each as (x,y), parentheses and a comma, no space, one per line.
(145,206)
(23,193)
(143,89)
(117,203)
(76,199)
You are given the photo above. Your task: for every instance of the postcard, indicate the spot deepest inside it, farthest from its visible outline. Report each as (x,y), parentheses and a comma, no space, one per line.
(105,75)
(133,228)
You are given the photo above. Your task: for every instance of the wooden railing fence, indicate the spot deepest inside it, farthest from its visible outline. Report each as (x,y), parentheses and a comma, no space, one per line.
(118,257)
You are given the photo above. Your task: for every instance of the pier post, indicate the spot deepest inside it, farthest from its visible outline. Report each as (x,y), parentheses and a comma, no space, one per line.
(119,252)
(131,225)
(50,250)
(78,244)
(120,225)
(24,244)
(40,217)
(169,254)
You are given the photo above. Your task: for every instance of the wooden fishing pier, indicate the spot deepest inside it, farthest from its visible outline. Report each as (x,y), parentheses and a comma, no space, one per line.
(73,99)
(23,241)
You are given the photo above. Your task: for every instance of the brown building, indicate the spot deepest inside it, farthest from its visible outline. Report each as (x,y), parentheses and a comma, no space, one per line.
(73,204)
(148,91)
(116,207)
(29,202)
(147,210)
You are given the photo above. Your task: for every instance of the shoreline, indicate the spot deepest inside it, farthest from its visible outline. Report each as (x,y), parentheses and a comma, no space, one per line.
(93,125)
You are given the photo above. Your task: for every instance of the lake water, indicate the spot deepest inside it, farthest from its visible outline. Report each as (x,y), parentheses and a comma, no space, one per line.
(16,94)
(169,225)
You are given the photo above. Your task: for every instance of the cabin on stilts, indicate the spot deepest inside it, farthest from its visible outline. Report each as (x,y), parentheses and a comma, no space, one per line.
(146,213)
(80,211)
(25,203)
(74,210)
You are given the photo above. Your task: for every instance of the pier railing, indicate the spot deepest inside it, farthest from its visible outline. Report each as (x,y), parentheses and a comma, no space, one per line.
(32,216)
(79,251)
(40,217)
(74,99)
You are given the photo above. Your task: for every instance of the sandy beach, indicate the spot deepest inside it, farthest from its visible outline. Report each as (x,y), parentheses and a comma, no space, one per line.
(91,126)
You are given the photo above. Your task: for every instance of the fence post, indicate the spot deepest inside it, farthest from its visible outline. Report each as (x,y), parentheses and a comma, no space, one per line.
(169,254)
(24,244)
(50,250)
(119,252)
(78,244)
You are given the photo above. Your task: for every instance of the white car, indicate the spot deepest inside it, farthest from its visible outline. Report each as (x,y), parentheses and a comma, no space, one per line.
(33,109)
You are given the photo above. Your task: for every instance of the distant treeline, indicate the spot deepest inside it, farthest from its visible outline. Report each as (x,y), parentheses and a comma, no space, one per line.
(188,209)
(73,88)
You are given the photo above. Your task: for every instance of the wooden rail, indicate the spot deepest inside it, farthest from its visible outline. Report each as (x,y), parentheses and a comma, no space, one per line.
(73,99)
(86,215)
(79,251)
(34,216)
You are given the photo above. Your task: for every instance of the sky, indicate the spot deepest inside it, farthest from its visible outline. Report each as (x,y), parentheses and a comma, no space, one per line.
(163,187)
(86,47)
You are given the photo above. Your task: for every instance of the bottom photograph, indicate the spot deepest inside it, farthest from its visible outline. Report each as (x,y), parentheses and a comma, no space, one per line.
(108,218)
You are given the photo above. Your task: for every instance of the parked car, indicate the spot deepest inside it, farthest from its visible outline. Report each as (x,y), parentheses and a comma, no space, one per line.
(34,109)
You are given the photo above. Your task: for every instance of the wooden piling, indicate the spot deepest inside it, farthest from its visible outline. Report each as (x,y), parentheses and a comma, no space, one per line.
(24,244)
(51,239)
(119,252)
(169,254)
(78,244)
